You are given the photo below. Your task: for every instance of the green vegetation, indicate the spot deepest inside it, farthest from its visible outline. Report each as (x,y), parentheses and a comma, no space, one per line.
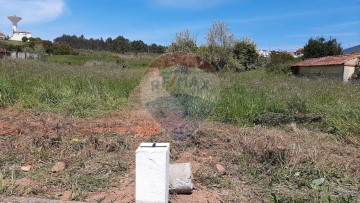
(183,42)
(39,46)
(253,97)
(280,62)
(319,47)
(246,97)
(69,89)
(245,53)
(274,165)
(119,44)
(222,50)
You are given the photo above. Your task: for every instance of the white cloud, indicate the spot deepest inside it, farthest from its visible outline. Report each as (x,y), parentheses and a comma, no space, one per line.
(32,11)
(187,4)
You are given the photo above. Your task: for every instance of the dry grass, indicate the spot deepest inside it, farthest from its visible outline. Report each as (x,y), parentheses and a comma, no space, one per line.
(258,161)
(279,162)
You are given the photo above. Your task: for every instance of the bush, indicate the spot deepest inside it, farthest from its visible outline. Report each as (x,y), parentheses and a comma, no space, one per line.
(25,39)
(220,42)
(245,53)
(183,42)
(280,62)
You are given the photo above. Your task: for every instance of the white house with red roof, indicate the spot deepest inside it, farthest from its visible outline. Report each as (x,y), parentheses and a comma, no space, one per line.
(2,36)
(341,67)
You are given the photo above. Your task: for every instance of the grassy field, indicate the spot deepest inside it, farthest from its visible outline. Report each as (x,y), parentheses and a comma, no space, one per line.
(68,89)
(249,98)
(319,104)
(293,162)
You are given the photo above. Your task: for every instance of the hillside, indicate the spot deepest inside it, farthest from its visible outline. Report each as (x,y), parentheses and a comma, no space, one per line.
(352,50)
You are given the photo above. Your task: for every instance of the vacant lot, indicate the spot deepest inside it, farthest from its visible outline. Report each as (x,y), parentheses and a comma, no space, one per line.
(279,138)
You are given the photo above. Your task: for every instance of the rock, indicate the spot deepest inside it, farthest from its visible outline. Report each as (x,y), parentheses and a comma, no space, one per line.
(59,166)
(181,178)
(220,168)
(27,168)
(67,195)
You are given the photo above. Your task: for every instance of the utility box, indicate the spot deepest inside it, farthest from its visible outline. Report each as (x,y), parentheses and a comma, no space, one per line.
(152,173)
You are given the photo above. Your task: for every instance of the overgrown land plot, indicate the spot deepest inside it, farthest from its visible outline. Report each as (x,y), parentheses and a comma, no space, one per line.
(271,138)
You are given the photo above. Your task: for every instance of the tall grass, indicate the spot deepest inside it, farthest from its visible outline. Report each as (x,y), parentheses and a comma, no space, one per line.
(69,89)
(85,91)
(139,60)
(248,95)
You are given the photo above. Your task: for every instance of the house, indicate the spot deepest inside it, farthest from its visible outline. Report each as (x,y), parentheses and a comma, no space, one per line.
(263,53)
(299,53)
(18,35)
(2,36)
(341,67)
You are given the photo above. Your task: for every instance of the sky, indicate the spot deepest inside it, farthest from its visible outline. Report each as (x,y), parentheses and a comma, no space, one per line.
(272,25)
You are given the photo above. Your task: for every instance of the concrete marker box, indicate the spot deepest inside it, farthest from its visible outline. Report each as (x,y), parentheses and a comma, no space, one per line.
(152,173)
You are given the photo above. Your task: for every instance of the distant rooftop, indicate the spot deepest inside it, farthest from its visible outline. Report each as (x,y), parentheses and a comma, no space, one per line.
(327,61)
(22,32)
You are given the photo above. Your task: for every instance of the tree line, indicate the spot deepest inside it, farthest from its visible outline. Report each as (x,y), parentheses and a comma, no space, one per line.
(41,47)
(119,45)
(225,52)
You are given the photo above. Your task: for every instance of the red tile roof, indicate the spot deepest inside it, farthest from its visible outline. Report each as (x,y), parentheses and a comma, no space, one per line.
(327,61)
(2,34)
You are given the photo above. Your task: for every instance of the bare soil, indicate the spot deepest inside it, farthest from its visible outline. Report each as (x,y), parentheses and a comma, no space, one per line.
(99,155)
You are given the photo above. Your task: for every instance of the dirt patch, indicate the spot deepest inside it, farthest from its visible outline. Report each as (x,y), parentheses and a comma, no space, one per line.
(99,157)
(14,123)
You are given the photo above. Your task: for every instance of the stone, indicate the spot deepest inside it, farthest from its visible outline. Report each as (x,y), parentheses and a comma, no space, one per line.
(67,195)
(220,168)
(27,168)
(59,166)
(181,178)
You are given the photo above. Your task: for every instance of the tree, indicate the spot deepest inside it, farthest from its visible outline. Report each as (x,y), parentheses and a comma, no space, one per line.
(245,53)
(183,42)
(220,42)
(319,47)
(25,39)
(121,45)
(139,46)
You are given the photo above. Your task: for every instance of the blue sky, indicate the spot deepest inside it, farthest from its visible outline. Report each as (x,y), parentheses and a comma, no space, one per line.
(275,25)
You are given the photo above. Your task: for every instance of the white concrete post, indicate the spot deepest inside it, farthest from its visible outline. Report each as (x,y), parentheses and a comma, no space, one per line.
(152,173)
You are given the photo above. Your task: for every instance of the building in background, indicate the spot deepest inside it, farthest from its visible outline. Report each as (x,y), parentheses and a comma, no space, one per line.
(17,35)
(339,67)
(264,53)
(2,36)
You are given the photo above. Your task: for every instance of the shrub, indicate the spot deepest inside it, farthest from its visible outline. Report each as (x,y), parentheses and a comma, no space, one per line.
(280,62)
(220,42)
(245,53)
(183,42)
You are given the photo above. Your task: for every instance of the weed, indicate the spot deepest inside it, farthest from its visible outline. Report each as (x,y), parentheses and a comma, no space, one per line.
(319,104)
(2,184)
